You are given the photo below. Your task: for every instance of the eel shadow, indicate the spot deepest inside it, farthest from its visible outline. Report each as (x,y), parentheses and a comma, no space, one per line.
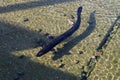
(32,4)
(68,46)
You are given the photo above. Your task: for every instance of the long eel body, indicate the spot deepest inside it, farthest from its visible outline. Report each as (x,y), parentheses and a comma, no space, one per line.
(63,36)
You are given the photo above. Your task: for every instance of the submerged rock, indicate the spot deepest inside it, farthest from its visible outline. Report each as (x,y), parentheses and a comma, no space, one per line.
(49,36)
(70,22)
(40,30)
(81,52)
(99,35)
(72,17)
(77,61)
(59,65)
(46,34)
(26,19)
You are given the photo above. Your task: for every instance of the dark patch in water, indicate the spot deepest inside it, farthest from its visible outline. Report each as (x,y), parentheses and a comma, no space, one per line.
(107,36)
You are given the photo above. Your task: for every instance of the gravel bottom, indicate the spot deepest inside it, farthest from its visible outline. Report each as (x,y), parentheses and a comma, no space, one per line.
(24,29)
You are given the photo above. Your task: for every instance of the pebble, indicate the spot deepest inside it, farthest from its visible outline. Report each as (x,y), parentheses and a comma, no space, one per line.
(46,34)
(21,57)
(51,56)
(26,19)
(93,57)
(64,14)
(80,52)
(77,61)
(84,73)
(61,60)
(70,22)
(72,17)
(99,35)
(98,53)
(40,30)
(60,65)
(49,36)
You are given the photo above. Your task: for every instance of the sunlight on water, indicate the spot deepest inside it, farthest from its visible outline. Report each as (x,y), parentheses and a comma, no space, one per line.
(90,53)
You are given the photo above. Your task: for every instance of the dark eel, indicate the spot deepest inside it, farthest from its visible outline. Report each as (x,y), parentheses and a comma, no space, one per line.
(63,36)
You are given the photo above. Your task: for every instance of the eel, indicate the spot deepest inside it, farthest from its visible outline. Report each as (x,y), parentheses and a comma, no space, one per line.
(63,36)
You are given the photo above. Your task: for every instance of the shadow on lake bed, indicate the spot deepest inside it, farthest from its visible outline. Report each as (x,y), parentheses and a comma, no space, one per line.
(28,5)
(14,68)
(69,45)
(16,38)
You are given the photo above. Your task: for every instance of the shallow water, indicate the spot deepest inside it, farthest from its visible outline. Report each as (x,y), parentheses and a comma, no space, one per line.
(23,28)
